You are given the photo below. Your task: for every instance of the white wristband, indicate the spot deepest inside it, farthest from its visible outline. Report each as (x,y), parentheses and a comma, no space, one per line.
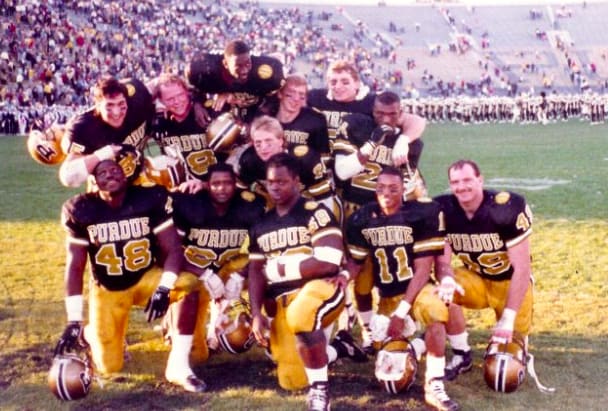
(509,315)
(402,309)
(105,153)
(73,307)
(167,280)
(367,149)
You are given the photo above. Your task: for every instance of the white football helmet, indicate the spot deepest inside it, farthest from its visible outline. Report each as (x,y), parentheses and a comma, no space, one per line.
(70,377)
(396,366)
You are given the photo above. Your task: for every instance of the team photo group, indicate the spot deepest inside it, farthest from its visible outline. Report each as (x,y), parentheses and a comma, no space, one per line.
(240,207)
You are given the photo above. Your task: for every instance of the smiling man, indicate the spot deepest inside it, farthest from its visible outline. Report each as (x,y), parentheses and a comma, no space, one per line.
(121,115)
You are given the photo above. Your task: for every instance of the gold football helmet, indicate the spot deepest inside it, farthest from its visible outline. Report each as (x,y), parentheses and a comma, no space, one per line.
(45,146)
(396,366)
(70,377)
(164,170)
(223,133)
(233,327)
(504,365)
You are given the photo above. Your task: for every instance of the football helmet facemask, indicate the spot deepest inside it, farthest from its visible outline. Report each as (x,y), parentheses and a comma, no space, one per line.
(70,377)
(233,329)
(504,365)
(223,133)
(44,146)
(396,366)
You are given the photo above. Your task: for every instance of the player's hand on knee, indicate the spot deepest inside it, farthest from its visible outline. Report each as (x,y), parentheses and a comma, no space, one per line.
(158,304)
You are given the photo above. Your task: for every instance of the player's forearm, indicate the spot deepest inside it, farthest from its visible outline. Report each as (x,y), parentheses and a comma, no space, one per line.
(422,275)
(256,287)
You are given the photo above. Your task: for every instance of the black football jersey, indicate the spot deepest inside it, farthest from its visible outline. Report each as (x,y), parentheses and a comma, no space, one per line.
(353,133)
(394,241)
(189,139)
(87,132)
(335,111)
(210,240)
(207,74)
(309,128)
(315,182)
(120,241)
(502,221)
(295,232)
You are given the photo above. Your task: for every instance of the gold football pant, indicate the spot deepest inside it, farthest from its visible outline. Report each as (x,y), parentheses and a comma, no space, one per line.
(109,313)
(313,307)
(427,308)
(482,293)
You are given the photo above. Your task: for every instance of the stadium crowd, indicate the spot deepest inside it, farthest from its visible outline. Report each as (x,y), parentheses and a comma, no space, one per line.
(53,51)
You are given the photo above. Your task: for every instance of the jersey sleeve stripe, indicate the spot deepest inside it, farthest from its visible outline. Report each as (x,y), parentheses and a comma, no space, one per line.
(324,232)
(431,244)
(513,242)
(77,241)
(357,253)
(163,226)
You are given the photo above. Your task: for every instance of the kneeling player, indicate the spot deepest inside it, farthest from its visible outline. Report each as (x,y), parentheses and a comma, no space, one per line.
(120,227)
(295,253)
(402,240)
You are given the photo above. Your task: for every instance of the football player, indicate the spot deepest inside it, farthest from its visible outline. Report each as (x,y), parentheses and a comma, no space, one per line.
(121,115)
(345,93)
(302,125)
(236,80)
(214,224)
(135,258)
(267,137)
(179,130)
(402,239)
(363,148)
(295,253)
(490,234)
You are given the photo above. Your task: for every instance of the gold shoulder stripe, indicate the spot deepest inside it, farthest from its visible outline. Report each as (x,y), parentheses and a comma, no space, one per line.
(502,197)
(424,199)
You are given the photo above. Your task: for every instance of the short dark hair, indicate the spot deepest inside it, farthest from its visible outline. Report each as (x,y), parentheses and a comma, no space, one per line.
(108,86)
(235,48)
(221,167)
(284,160)
(457,165)
(391,171)
(388,97)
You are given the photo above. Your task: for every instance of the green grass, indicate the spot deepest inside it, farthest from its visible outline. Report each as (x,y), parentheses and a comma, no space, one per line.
(569,247)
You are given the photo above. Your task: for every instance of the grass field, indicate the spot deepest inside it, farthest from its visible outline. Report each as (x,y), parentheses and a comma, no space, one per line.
(561,169)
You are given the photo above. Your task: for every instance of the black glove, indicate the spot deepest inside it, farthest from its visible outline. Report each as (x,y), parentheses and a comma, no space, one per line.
(158,303)
(380,133)
(71,339)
